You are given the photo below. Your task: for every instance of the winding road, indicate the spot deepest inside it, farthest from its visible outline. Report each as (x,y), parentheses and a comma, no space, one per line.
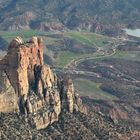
(99,54)
(70,68)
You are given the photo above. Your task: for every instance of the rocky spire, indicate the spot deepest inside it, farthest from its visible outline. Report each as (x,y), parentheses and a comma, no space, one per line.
(32,88)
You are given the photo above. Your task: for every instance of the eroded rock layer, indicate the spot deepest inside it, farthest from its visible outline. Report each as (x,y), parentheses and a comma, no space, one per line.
(32,88)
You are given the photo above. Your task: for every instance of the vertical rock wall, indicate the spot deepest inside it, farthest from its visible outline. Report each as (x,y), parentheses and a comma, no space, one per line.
(39,93)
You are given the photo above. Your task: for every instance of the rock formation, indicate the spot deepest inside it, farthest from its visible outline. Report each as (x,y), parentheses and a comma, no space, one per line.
(32,88)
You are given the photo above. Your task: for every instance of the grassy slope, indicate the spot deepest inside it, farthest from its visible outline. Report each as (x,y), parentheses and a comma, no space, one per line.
(128,55)
(90,38)
(88,88)
(64,57)
(9,35)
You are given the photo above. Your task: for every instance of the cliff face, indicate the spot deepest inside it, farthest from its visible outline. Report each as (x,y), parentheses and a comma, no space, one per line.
(32,88)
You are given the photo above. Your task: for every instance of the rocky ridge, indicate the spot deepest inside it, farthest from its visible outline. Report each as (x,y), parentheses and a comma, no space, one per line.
(31,88)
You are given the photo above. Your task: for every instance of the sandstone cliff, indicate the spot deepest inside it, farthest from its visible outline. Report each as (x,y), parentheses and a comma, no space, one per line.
(32,88)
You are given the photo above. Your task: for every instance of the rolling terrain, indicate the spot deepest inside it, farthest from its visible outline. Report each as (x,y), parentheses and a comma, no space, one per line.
(105,72)
(83,40)
(106,17)
(74,52)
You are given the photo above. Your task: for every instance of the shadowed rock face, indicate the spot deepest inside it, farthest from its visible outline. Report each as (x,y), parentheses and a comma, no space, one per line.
(30,87)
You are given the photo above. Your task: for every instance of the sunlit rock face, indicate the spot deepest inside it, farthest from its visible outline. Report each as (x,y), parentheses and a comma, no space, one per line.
(32,88)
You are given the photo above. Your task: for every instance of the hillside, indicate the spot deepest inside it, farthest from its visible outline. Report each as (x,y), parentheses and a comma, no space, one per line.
(48,106)
(93,15)
(68,71)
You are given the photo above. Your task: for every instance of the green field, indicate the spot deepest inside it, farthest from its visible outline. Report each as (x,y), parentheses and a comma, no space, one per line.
(65,57)
(88,88)
(92,39)
(27,34)
(127,55)
(9,35)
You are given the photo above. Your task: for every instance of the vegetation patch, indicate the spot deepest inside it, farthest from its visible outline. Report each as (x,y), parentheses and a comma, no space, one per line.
(65,57)
(92,39)
(88,88)
(9,35)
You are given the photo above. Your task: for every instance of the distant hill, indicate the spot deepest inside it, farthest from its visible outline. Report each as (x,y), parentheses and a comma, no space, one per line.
(106,16)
